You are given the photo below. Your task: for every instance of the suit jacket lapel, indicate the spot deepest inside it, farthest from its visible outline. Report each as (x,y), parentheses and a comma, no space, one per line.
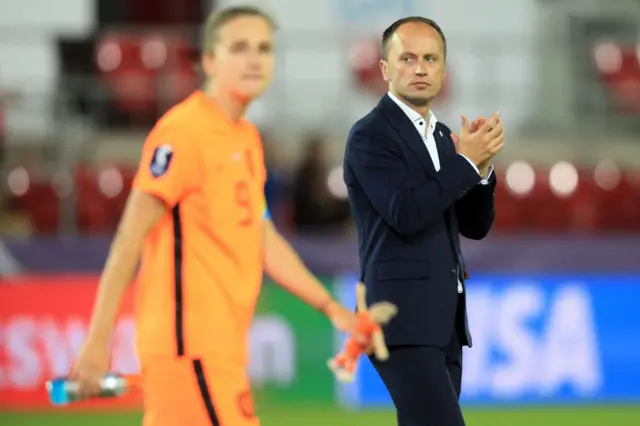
(446,148)
(443,141)
(407,132)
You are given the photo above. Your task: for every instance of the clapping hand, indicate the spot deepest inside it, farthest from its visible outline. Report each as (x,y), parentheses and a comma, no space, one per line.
(481,140)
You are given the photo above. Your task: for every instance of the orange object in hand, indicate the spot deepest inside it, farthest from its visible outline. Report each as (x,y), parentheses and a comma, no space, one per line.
(367,334)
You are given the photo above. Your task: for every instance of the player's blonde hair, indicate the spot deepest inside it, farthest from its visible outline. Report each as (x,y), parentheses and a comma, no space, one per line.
(222,17)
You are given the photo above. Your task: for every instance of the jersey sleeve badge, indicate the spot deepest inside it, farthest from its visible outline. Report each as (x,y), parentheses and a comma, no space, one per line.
(161,160)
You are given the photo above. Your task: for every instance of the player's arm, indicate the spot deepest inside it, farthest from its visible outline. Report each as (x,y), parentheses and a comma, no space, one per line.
(286,268)
(141,214)
(168,170)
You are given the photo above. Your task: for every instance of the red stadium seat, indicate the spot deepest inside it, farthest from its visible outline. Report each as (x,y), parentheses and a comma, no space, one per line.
(43,207)
(184,52)
(135,89)
(120,60)
(508,210)
(115,194)
(115,50)
(542,209)
(92,212)
(619,69)
(147,73)
(159,12)
(619,208)
(178,83)
(583,206)
(33,195)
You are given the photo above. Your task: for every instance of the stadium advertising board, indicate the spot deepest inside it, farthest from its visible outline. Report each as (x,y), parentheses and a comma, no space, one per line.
(290,345)
(539,340)
(43,322)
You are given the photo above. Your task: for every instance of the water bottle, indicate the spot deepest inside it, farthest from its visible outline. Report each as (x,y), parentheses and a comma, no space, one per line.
(63,391)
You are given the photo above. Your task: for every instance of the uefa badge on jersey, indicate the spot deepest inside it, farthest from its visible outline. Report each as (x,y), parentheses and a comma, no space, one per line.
(161,160)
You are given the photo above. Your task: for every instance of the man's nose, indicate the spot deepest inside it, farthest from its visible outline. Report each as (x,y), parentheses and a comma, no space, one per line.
(421,70)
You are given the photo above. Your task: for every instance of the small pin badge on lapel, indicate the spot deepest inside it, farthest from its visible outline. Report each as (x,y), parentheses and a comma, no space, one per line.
(441,135)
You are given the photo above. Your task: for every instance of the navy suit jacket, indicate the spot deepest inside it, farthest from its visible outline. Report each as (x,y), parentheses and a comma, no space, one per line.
(408,218)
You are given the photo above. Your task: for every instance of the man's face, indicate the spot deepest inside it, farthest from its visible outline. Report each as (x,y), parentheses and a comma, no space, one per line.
(415,66)
(242,59)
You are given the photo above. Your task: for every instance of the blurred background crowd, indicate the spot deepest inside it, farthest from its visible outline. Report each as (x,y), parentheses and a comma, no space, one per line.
(83,81)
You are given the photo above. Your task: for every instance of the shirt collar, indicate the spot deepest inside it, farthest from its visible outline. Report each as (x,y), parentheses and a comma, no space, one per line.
(413,115)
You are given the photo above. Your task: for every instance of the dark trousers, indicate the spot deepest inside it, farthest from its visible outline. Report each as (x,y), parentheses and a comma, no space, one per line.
(424,383)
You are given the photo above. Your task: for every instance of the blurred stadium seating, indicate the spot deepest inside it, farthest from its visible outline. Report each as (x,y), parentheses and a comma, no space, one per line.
(576,199)
(141,71)
(91,77)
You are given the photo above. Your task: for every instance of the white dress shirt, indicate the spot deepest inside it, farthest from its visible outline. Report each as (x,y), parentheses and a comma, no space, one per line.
(426,131)
(428,137)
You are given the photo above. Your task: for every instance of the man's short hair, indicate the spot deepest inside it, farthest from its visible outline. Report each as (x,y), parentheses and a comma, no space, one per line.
(222,17)
(390,31)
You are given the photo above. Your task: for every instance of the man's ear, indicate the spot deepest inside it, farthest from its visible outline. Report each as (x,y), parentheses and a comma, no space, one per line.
(384,69)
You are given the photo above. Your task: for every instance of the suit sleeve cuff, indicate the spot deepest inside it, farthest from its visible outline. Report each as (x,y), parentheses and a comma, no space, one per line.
(472,165)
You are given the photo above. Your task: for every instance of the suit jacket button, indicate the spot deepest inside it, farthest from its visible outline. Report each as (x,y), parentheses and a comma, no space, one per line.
(453,272)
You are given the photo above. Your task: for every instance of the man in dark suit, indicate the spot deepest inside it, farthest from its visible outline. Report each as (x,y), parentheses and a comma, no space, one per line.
(413,188)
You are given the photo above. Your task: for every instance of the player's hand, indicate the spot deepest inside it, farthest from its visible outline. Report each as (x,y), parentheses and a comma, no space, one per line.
(341,318)
(481,140)
(90,368)
(346,321)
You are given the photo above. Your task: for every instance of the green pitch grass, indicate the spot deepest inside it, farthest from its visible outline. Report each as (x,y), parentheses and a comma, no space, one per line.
(323,416)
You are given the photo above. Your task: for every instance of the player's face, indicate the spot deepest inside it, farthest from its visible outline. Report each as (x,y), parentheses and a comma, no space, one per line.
(243,57)
(415,67)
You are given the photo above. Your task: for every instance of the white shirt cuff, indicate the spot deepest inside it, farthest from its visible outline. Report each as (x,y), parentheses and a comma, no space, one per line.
(484,180)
